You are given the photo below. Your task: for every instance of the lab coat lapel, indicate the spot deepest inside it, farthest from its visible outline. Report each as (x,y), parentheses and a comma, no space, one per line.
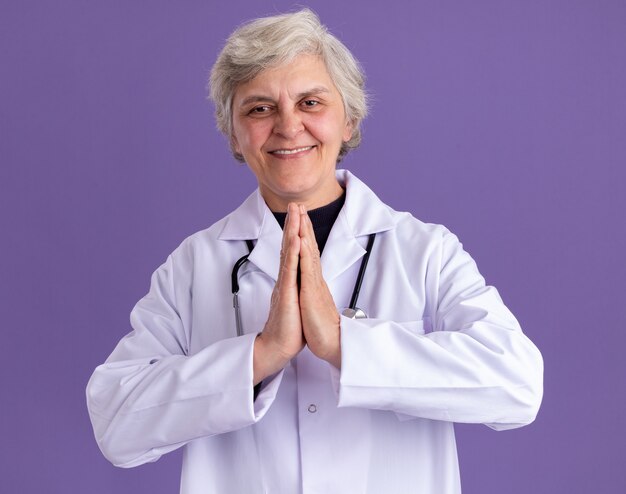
(342,249)
(254,221)
(363,214)
(266,252)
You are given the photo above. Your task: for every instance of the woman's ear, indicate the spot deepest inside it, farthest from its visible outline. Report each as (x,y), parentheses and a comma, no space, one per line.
(347,133)
(234,144)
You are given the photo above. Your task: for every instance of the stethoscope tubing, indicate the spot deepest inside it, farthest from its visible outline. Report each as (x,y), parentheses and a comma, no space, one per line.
(361,275)
(235,286)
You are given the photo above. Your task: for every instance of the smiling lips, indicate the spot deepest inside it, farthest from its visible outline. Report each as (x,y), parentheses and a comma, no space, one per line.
(291,151)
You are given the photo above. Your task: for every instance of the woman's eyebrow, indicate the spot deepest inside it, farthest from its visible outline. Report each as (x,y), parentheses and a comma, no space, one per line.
(255,99)
(312,92)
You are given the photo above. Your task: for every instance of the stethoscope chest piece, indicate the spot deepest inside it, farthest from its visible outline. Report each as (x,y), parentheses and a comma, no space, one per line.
(355,313)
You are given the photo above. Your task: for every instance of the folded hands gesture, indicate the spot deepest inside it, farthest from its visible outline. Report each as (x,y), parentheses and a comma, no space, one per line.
(299,316)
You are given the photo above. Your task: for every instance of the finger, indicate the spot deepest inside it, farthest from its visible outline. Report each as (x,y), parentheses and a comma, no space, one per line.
(290,222)
(290,254)
(292,225)
(305,240)
(289,268)
(290,229)
(309,253)
(306,227)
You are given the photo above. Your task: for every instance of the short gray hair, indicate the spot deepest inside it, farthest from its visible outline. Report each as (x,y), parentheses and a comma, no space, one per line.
(274,41)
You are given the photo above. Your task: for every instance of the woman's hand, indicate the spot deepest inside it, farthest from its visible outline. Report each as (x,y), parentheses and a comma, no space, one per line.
(320,319)
(282,337)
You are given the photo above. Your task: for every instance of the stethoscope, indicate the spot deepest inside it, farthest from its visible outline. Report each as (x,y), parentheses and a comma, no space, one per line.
(352,312)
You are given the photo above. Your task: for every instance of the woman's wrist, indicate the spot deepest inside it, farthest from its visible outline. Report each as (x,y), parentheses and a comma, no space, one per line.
(265,360)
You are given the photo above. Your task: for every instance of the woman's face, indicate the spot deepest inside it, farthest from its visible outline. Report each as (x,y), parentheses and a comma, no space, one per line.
(289,124)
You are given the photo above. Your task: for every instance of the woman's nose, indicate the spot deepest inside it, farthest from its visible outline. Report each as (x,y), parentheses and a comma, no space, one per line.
(288,124)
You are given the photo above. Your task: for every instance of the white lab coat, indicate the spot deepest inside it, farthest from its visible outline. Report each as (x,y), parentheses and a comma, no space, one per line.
(439,347)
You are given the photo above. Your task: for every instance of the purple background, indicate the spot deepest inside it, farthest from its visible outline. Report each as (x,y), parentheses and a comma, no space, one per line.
(502,120)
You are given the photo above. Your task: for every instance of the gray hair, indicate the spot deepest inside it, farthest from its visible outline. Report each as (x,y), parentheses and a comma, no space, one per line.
(274,41)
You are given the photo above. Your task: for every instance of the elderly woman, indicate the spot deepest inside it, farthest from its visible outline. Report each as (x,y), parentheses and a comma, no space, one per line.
(294,389)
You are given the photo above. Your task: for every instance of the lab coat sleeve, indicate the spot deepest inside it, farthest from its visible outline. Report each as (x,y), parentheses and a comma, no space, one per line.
(475,366)
(150,397)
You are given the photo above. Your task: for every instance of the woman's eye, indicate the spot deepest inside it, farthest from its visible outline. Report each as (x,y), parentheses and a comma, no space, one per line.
(310,103)
(260,110)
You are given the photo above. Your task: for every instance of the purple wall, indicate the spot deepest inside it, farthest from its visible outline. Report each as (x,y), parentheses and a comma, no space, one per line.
(503,120)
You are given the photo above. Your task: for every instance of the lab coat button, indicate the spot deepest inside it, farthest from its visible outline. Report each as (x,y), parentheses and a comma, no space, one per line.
(312,408)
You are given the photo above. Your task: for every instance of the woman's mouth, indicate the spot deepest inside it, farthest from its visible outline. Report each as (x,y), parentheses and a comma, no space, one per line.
(286,152)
